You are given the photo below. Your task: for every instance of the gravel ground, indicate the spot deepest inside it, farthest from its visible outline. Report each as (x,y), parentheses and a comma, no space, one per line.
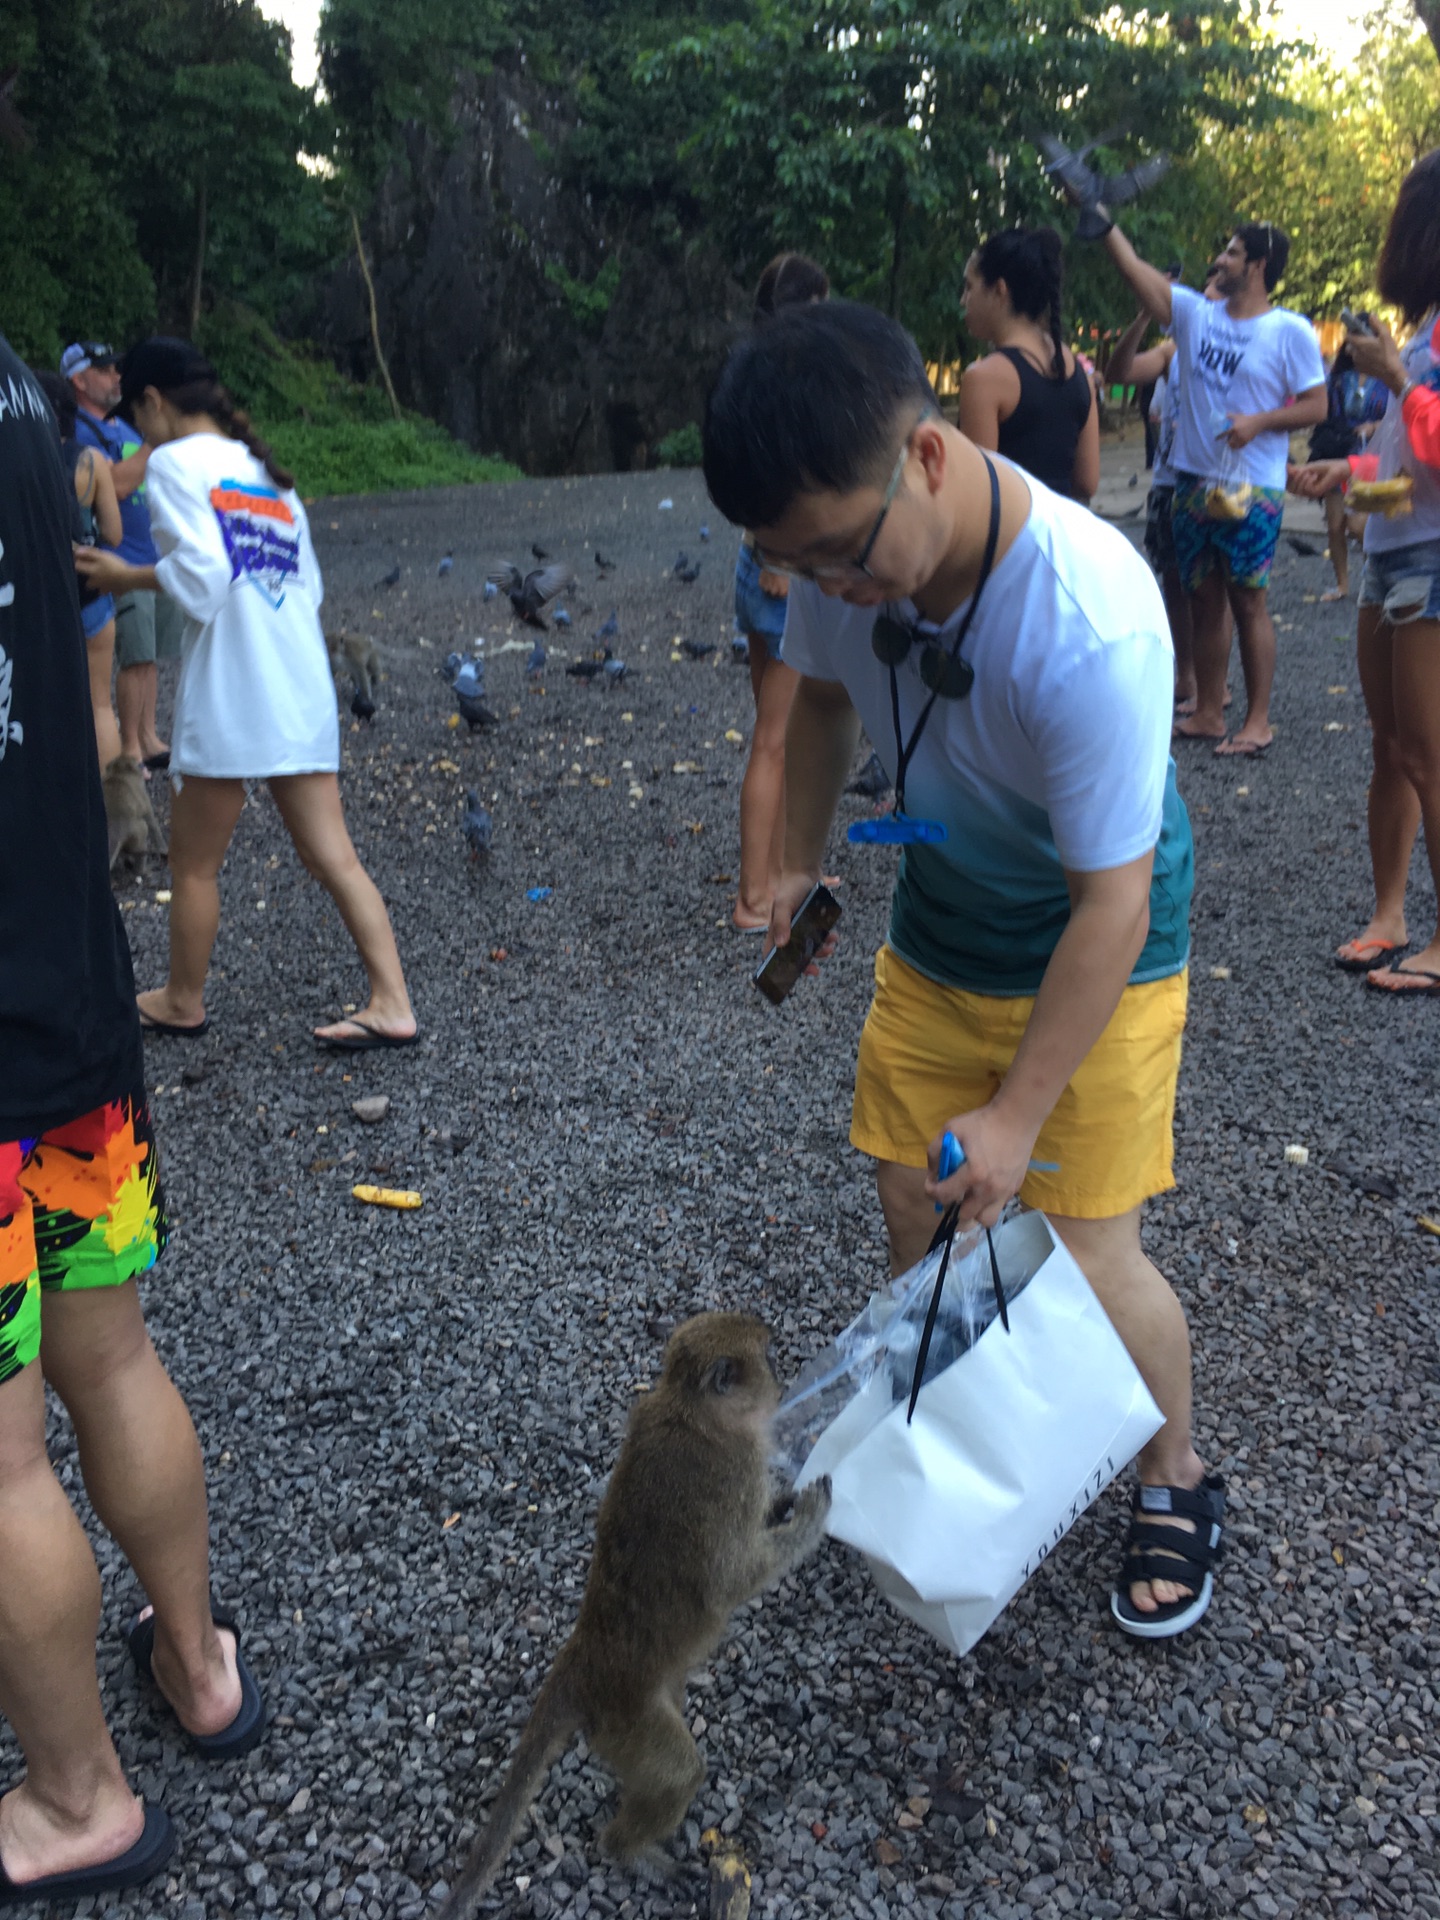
(406,1417)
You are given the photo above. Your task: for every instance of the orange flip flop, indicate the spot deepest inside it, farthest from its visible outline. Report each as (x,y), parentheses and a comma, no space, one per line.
(1360,956)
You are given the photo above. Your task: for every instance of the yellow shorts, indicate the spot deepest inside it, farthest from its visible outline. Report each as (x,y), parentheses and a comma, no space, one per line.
(929,1052)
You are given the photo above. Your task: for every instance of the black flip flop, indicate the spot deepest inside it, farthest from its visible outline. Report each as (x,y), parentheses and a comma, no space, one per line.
(1427,992)
(247,1729)
(1369,956)
(129,1869)
(157,762)
(366,1041)
(169,1031)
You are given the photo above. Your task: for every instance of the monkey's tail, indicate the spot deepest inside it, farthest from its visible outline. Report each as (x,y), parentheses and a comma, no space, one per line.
(552,1725)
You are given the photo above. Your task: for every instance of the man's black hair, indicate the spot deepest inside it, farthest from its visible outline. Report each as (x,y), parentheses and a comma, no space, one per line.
(815,401)
(1408,275)
(1264,241)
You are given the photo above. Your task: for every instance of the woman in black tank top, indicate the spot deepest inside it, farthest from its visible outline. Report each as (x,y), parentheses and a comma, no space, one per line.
(1031,399)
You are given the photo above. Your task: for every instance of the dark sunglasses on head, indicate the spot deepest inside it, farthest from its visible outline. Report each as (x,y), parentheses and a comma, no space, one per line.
(943,672)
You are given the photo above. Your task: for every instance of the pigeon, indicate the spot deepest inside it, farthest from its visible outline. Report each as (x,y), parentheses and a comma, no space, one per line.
(688,574)
(561,617)
(613,670)
(611,627)
(490,590)
(445,565)
(539,553)
(739,650)
(1134,480)
(529,592)
(390,579)
(586,669)
(1303,547)
(451,666)
(1098,193)
(470,695)
(697,649)
(872,780)
(535,665)
(704,533)
(605,566)
(362,708)
(476,825)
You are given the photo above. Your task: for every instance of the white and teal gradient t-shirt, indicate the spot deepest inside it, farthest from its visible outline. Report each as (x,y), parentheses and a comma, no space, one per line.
(1059,758)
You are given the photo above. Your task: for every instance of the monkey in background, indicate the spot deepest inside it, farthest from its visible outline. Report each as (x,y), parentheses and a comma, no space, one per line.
(129,816)
(360,653)
(687,1531)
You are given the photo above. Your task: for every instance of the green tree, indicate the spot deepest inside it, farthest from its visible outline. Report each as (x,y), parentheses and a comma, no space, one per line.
(888,136)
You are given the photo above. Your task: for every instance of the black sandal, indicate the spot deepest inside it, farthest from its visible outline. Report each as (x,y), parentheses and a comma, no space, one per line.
(1155,1552)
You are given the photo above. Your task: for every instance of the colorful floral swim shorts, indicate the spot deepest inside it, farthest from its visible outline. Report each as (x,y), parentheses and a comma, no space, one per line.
(80,1207)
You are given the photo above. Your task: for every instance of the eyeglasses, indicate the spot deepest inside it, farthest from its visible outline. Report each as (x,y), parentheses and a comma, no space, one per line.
(943,672)
(859,566)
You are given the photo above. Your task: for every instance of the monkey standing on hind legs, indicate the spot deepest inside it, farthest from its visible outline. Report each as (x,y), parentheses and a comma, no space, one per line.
(688,1529)
(360,653)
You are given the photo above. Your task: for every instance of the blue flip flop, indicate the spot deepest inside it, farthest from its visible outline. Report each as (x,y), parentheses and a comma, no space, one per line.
(129,1869)
(247,1729)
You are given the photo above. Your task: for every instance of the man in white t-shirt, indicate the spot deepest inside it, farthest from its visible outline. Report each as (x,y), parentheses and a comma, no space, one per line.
(1008,655)
(1249,376)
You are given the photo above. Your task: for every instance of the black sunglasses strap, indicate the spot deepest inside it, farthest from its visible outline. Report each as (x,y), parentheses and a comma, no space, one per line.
(905,753)
(945,1235)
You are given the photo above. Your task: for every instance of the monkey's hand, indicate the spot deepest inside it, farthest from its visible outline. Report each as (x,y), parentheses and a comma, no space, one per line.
(805,1528)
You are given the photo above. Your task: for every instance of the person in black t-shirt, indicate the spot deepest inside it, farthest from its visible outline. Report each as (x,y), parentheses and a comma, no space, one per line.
(81,1215)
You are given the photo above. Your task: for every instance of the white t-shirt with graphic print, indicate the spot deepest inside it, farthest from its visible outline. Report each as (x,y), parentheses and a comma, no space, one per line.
(255,696)
(1236,366)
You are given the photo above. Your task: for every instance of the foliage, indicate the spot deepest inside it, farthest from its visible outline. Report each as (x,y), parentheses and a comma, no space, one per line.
(588,301)
(1329,176)
(682,448)
(888,136)
(337,437)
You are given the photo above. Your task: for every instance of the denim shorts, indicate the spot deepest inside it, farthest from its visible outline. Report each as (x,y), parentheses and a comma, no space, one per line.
(1405,581)
(757,611)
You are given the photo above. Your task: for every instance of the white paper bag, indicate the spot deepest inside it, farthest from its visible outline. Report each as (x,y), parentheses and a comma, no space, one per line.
(1008,1446)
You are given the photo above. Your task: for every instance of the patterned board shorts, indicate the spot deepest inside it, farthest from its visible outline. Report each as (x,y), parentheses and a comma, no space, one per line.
(80,1207)
(1244,548)
(1159,540)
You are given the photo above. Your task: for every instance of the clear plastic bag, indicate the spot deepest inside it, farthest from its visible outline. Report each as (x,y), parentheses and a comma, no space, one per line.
(1228,495)
(885,1340)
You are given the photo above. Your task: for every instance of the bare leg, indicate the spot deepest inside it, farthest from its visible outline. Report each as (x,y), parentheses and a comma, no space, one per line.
(762,792)
(1257,659)
(135,694)
(143,1473)
(1136,1297)
(1339,547)
(73,1808)
(100,653)
(150,740)
(310,806)
(202,820)
(1210,629)
(1416,646)
(1177,606)
(1394,807)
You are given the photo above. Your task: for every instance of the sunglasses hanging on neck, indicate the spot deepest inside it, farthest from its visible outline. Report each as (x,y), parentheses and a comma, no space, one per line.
(947,676)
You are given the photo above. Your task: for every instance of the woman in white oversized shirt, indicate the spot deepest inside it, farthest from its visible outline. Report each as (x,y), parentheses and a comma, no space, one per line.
(255,699)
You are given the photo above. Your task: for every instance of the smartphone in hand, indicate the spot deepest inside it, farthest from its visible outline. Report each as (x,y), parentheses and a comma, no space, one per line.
(1357,322)
(783,966)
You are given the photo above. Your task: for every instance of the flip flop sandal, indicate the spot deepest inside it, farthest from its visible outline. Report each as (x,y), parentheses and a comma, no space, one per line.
(129,1869)
(1364,956)
(157,762)
(1156,1552)
(366,1041)
(167,1030)
(247,1729)
(1431,982)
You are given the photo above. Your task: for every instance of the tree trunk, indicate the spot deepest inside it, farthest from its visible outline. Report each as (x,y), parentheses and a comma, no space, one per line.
(197,274)
(374,315)
(1429,13)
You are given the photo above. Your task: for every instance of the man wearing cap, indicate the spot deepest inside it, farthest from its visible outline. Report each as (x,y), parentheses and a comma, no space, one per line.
(147,625)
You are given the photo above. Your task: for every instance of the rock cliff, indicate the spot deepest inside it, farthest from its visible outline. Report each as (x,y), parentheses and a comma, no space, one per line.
(518,314)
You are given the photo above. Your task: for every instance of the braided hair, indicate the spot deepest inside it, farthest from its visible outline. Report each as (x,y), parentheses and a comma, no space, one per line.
(213,397)
(790,280)
(1028,260)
